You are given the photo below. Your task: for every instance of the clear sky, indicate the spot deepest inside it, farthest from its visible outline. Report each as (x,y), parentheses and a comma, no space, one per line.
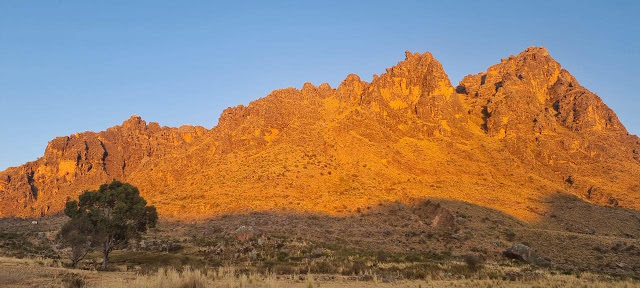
(73,66)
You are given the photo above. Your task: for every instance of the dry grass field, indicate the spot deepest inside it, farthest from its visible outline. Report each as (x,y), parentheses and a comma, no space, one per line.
(43,273)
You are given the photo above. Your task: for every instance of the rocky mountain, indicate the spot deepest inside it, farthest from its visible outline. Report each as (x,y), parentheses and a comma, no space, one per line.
(513,139)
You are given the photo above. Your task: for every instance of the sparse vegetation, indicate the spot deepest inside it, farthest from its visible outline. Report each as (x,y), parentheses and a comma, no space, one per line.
(73,280)
(451,275)
(474,261)
(170,277)
(510,235)
(292,254)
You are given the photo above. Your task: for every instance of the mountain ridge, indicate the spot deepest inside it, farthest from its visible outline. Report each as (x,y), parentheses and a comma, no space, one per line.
(525,128)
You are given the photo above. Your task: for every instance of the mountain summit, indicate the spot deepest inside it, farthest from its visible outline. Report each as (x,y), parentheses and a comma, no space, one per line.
(511,138)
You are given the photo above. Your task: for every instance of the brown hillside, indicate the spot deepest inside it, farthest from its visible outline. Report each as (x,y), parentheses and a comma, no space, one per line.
(512,138)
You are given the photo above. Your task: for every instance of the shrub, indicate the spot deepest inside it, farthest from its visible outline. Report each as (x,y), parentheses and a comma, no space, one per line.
(73,280)
(323,267)
(474,261)
(356,267)
(510,235)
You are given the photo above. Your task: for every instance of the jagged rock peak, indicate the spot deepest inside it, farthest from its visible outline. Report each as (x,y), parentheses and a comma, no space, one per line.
(416,86)
(321,147)
(541,50)
(531,92)
(420,69)
(134,122)
(351,88)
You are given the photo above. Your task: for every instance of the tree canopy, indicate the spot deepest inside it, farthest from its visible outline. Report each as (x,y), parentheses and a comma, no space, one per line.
(109,217)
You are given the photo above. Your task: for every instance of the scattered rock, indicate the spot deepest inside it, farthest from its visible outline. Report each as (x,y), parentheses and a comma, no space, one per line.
(601,249)
(440,218)
(524,253)
(599,196)
(253,254)
(245,233)
(621,265)
(159,245)
(317,252)
(458,237)
(618,246)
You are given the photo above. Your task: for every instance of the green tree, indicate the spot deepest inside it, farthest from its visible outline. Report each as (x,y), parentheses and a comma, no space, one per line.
(116,214)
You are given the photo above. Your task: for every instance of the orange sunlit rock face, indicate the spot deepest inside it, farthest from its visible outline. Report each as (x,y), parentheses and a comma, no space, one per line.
(509,138)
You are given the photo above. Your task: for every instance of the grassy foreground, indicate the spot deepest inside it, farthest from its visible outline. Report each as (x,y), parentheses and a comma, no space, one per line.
(44,272)
(385,247)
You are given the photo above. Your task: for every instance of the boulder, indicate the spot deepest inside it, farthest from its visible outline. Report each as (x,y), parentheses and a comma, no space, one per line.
(245,233)
(524,253)
(440,219)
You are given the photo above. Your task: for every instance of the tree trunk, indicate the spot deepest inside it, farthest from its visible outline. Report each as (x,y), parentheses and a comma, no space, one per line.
(105,260)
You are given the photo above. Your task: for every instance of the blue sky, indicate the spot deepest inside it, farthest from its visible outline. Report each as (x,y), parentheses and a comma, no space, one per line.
(73,66)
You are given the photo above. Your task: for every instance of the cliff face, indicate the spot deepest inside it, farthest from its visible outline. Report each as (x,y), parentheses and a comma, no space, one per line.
(509,138)
(546,118)
(532,93)
(74,163)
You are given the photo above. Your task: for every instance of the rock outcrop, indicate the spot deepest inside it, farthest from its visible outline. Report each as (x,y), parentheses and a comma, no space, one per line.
(546,96)
(510,138)
(83,161)
(524,253)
